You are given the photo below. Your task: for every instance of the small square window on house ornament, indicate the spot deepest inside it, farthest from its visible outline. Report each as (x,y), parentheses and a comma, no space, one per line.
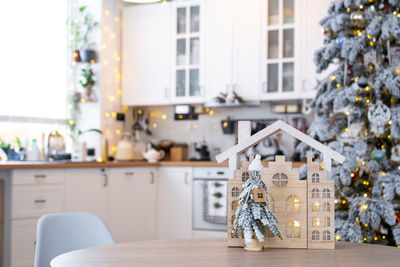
(259,195)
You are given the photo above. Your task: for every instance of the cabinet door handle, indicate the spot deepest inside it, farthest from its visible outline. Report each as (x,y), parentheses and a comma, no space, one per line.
(40,176)
(105,177)
(186,178)
(129,173)
(153,178)
(166,92)
(40,201)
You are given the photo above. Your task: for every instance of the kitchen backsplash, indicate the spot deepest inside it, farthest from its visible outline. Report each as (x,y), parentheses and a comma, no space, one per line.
(208,127)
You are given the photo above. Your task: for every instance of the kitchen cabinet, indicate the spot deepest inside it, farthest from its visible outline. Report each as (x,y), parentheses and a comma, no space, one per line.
(146,55)
(23,244)
(28,195)
(86,190)
(174,202)
(187,60)
(233,48)
(290,36)
(132,207)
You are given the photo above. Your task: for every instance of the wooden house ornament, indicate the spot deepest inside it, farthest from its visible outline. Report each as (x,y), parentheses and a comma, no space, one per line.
(259,195)
(304,208)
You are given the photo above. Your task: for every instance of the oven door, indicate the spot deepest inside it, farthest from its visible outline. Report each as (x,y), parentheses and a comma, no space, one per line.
(210,204)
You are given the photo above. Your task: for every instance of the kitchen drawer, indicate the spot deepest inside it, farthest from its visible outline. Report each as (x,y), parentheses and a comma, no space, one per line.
(23,243)
(38,176)
(36,200)
(210,172)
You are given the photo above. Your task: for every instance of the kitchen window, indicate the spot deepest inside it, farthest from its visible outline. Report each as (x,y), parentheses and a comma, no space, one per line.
(34,60)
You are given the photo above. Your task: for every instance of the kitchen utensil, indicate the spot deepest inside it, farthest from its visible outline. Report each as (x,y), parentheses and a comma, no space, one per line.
(55,144)
(179,153)
(153,155)
(125,149)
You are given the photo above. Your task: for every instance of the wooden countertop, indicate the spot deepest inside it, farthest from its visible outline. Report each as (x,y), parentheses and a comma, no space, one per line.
(214,252)
(54,165)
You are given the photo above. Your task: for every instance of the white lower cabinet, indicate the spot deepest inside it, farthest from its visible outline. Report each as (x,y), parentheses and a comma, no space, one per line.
(174,202)
(86,190)
(23,243)
(132,205)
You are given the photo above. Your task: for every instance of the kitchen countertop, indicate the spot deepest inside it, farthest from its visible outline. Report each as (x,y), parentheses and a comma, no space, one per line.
(54,165)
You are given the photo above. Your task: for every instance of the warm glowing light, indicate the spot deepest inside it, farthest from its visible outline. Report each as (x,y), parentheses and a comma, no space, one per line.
(333,77)
(106,12)
(366,225)
(348,9)
(365,239)
(352,175)
(118,131)
(164,116)
(206,109)
(367,101)
(383,237)
(225,124)
(140,111)
(107,131)
(99,160)
(347,113)
(70,122)
(112,35)
(211,112)
(384,195)
(337,237)
(83,100)
(296,224)
(361,6)
(154,125)
(371,43)
(114,148)
(92,61)
(180,116)
(363,163)
(346,129)
(365,195)
(116,19)
(337,85)
(119,92)
(112,98)
(390,122)
(389,136)
(343,201)
(125,108)
(369,36)
(363,207)
(107,115)
(383,184)
(118,59)
(375,238)
(114,114)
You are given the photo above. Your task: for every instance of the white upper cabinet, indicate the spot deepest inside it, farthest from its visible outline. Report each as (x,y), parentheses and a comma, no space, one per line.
(281,49)
(233,43)
(290,36)
(187,70)
(247,48)
(146,60)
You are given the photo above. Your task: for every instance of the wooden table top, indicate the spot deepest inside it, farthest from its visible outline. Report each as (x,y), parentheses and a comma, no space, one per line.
(214,252)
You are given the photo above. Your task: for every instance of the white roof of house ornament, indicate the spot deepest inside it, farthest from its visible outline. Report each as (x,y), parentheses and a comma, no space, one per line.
(246,140)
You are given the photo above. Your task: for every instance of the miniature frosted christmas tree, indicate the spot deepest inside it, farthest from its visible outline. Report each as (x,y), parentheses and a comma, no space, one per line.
(253,217)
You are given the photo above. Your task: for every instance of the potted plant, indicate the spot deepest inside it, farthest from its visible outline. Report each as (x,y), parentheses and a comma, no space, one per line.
(87,82)
(74,38)
(80,30)
(88,54)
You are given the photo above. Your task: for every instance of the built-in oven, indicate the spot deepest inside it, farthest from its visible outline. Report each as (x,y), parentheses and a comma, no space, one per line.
(210,198)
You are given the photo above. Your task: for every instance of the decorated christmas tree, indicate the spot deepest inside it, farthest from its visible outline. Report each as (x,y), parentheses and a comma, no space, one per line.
(253,217)
(358,115)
